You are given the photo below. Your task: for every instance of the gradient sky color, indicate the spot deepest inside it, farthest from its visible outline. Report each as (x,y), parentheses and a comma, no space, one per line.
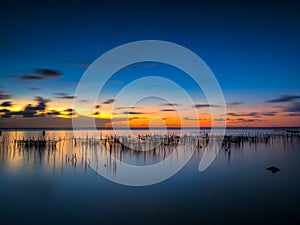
(252,47)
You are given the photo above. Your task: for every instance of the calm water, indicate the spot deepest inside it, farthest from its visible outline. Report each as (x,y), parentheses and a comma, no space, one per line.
(45,186)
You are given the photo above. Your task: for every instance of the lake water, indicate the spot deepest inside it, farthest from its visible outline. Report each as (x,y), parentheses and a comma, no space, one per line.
(46,186)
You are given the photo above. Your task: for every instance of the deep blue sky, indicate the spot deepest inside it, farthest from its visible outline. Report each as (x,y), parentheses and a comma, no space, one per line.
(252,46)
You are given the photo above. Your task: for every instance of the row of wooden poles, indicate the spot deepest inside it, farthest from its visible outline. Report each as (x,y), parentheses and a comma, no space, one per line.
(146,141)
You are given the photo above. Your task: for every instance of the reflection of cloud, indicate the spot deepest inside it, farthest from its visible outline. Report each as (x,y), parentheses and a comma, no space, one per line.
(6,104)
(284,98)
(108,101)
(293,107)
(64,96)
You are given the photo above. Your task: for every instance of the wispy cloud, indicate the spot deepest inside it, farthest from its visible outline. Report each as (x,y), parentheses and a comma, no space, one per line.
(293,107)
(108,101)
(132,113)
(293,114)
(168,110)
(191,119)
(243,120)
(131,107)
(269,114)
(30,77)
(170,104)
(235,103)
(35,88)
(64,96)
(69,112)
(250,114)
(284,98)
(39,74)
(47,73)
(4,95)
(205,105)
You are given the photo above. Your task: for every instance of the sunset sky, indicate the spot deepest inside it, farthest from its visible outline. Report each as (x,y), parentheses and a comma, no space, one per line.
(252,48)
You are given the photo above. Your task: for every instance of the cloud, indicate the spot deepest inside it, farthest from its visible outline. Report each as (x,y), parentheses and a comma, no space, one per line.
(243,120)
(48,122)
(284,98)
(41,103)
(4,110)
(269,114)
(293,114)
(4,95)
(108,101)
(47,73)
(35,88)
(30,111)
(248,120)
(97,106)
(39,74)
(69,112)
(6,104)
(64,96)
(219,119)
(30,77)
(168,110)
(170,104)
(251,114)
(191,119)
(205,106)
(132,113)
(126,107)
(293,107)
(235,103)
(53,113)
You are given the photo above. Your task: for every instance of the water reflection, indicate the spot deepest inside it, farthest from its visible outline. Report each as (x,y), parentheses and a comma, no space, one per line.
(66,150)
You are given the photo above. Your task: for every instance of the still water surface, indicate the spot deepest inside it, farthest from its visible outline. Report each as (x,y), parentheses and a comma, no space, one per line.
(46,186)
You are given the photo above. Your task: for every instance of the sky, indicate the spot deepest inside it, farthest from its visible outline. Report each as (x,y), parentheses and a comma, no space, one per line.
(252,47)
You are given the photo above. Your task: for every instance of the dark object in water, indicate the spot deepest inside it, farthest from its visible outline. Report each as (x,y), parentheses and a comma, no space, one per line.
(273,169)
